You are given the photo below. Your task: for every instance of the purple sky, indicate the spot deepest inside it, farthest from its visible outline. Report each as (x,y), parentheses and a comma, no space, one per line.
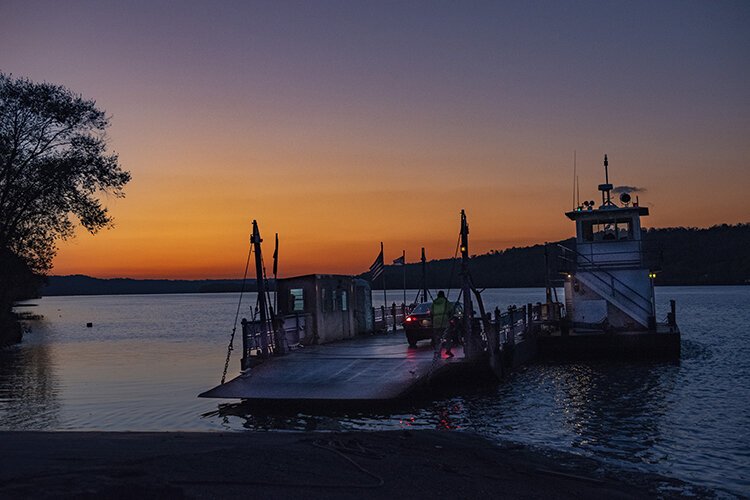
(222,109)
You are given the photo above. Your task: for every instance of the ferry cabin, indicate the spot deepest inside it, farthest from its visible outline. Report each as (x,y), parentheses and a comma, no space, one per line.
(324,307)
(610,286)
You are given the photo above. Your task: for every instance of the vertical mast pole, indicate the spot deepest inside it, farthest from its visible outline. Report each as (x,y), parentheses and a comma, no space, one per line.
(547,286)
(470,347)
(275,273)
(424,277)
(403,261)
(256,240)
(382,256)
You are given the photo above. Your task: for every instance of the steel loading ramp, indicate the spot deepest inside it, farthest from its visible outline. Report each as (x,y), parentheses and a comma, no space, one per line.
(378,367)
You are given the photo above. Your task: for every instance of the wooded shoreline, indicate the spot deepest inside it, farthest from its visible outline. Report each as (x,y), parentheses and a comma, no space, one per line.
(681,257)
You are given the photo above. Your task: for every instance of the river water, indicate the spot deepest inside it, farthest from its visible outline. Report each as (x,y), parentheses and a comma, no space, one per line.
(146,358)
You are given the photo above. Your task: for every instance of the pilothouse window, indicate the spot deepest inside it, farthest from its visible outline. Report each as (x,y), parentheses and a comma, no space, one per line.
(607,230)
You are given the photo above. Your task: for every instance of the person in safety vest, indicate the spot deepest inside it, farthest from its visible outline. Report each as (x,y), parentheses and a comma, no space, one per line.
(441,313)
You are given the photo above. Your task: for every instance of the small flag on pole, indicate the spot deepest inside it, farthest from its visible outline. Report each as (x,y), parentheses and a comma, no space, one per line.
(400,261)
(376,269)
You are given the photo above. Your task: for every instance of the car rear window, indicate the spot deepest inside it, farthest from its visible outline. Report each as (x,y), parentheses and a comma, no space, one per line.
(422,308)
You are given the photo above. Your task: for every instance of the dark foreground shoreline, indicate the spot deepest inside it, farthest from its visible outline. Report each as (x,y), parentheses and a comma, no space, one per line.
(388,464)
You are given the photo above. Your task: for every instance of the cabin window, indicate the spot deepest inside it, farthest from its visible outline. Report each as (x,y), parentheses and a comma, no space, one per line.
(607,230)
(604,231)
(297,299)
(624,229)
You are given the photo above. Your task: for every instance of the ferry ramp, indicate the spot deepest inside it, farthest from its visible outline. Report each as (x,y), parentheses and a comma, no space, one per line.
(375,367)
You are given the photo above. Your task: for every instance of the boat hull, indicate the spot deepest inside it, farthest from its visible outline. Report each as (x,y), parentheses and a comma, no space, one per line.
(633,345)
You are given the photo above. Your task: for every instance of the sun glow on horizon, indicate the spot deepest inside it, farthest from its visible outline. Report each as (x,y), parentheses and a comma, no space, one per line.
(342,125)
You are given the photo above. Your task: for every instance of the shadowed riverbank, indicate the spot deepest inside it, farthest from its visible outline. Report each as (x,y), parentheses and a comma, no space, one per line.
(404,464)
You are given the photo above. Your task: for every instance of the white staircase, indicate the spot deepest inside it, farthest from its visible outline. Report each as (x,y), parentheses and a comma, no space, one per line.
(618,294)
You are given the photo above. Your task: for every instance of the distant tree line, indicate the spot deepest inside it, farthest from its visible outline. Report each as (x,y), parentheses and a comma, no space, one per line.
(719,255)
(683,256)
(86,285)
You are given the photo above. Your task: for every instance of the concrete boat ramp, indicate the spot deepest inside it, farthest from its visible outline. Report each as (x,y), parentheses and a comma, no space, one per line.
(373,367)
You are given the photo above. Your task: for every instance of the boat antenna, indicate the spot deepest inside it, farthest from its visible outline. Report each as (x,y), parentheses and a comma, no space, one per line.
(606,177)
(606,187)
(575,181)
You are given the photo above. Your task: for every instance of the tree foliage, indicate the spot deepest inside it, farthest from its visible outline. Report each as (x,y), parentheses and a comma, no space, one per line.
(682,256)
(54,168)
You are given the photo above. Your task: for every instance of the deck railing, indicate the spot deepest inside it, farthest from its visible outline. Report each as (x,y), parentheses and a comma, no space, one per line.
(259,342)
(389,318)
(511,325)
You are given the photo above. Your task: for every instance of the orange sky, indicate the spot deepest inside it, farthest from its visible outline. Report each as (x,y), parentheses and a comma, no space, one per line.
(339,128)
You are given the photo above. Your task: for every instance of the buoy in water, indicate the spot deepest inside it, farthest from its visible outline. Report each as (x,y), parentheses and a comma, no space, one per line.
(89,325)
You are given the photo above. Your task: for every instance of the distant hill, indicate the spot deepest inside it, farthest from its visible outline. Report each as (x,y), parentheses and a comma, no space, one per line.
(86,285)
(719,255)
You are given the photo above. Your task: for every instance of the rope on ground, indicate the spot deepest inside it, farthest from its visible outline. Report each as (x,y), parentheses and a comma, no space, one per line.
(339,449)
(333,445)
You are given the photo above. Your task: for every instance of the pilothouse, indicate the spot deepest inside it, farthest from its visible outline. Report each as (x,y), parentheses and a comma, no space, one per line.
(609,286)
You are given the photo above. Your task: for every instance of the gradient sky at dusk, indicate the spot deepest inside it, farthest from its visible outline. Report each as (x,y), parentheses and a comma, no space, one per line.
(341,124)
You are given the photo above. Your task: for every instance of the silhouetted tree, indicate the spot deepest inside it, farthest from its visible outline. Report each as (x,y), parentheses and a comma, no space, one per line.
(54,166)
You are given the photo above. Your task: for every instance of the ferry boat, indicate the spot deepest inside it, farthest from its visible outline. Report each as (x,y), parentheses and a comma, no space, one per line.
(610,309)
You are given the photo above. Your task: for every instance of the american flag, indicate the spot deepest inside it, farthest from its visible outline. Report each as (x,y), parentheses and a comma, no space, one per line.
(376,269)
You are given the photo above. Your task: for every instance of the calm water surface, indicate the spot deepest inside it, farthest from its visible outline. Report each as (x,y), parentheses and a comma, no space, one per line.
(146,357)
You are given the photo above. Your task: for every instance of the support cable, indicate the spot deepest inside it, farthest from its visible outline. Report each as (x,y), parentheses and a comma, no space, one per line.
(230,348)
(272,318)
(453,266)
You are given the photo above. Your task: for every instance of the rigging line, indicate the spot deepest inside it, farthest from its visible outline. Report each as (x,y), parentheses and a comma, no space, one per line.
(271,319)
(267,288)
(230,348)
(453,265)
(417,297)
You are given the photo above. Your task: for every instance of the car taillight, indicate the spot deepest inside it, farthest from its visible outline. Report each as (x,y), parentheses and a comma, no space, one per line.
(409,319)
